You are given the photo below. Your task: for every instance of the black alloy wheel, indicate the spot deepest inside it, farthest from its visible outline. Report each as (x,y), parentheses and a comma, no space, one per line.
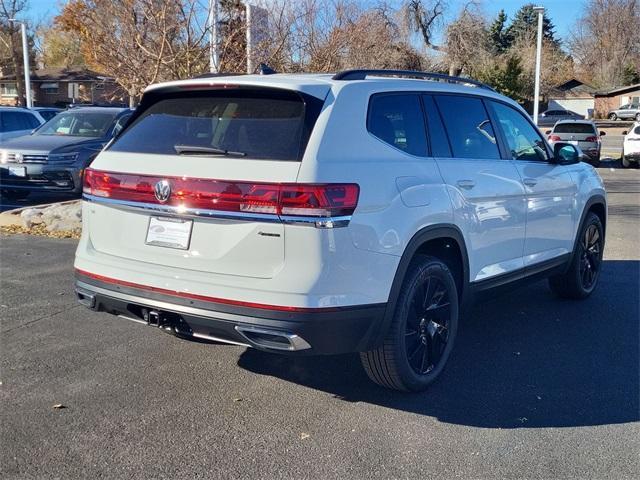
(590,256)
(422,333)
(427,326)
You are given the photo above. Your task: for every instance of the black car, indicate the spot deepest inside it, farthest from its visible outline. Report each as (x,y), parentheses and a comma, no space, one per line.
(55,155)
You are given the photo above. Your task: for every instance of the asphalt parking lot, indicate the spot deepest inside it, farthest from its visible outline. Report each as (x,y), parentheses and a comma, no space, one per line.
(536,387)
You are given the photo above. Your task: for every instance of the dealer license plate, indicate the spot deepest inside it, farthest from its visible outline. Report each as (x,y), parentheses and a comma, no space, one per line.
(169,232)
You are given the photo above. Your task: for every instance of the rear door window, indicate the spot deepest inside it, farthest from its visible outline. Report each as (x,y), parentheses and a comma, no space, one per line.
(469,129)
(14,121)
(241,123)
(397,119)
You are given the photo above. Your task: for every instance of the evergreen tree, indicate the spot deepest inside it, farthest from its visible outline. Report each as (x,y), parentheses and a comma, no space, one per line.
(499,38)
(525,22)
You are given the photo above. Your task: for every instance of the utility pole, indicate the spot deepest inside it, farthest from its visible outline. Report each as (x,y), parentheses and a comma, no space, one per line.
(25,59)
(214,58)
(536,94)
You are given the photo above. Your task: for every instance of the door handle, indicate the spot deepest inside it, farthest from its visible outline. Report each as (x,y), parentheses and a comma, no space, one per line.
(466,184)
(530,182)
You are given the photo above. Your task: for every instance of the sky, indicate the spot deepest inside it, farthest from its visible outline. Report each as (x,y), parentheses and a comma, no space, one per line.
(563,13)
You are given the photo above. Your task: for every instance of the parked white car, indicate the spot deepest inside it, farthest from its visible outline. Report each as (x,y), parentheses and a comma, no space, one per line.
(631,146)
(15,122)
(319,214)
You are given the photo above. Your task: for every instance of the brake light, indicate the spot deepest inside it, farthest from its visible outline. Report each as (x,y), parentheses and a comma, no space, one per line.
(592,139)
(554,138)
(286,199)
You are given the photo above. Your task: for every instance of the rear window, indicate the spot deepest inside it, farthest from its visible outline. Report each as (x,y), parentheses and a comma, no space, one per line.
(574,128)
(236,124)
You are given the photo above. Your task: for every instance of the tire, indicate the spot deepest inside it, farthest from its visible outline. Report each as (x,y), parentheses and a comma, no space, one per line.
(581,278)
(15,194)
(626,163)
(595,162)
(613,117)
(420,339)
(638,117)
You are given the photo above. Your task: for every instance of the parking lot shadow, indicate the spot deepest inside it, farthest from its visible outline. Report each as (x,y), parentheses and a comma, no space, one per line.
(523,360)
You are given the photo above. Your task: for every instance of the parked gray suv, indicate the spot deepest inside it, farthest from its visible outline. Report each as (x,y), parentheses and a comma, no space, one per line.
(630,111)
(53,157)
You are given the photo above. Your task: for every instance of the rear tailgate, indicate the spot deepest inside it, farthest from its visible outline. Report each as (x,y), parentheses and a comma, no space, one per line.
(235,147)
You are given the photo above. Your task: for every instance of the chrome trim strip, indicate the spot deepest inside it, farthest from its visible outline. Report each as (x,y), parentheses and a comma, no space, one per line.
(318,222)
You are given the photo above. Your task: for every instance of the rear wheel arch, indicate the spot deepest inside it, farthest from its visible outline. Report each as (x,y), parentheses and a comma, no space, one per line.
(443,241)
(598,205)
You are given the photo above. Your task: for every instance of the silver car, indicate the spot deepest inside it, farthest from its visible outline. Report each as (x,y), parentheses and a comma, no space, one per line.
(582,133)
(629,111)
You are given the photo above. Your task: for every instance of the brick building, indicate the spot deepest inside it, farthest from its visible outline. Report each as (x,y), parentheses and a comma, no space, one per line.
(615,98)
(61,86)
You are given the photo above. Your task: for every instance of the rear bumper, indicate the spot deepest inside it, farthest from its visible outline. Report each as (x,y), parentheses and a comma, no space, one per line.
(320,331)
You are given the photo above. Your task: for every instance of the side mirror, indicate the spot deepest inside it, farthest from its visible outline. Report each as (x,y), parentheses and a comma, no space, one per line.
(602,134)
(565,153)
(548,132)
(624,132)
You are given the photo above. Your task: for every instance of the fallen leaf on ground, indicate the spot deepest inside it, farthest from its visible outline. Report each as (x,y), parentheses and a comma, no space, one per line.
(59,406)
(304,436)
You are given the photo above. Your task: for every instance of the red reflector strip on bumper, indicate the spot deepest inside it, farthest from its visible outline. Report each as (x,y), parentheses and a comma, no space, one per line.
(205,298)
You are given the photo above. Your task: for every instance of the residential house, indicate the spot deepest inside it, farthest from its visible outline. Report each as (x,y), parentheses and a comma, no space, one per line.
(575,96)
(608,100)
(60,87)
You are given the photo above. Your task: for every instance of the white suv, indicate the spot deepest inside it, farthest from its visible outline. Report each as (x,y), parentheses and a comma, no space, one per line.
(319,214)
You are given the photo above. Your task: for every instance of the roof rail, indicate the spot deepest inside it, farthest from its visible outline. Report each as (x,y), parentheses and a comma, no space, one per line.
(440,77)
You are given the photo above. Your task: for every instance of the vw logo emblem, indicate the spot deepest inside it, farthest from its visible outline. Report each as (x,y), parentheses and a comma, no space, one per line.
(162,190)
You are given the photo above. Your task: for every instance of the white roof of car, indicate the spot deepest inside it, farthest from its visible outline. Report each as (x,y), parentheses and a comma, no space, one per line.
(318,84)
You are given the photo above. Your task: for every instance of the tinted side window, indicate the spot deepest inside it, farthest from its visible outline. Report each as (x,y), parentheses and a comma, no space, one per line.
(32,121)
(398,121)
(468,127)
(525,143)
(437,135)
(13,121)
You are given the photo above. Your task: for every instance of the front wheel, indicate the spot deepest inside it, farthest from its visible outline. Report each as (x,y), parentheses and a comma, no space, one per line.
(581,278)
(638,117)
(422,332)
(613,117)
(626,163)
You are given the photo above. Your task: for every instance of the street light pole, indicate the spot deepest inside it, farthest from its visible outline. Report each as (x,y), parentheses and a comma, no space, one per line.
(25,60)
(214,65)
(536,94)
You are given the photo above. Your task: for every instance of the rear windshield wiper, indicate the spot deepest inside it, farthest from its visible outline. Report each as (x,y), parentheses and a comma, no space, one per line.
(199,150)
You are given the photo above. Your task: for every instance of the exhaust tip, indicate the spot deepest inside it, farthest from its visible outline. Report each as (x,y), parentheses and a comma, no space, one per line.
(273,339)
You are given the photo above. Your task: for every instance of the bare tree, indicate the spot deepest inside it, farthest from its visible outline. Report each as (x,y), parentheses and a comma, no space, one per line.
(9,9)
(606,40)
(138,42)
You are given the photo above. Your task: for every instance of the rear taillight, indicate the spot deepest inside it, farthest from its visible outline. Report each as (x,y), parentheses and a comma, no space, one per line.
(591,139)
(554,138)
(283,199)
